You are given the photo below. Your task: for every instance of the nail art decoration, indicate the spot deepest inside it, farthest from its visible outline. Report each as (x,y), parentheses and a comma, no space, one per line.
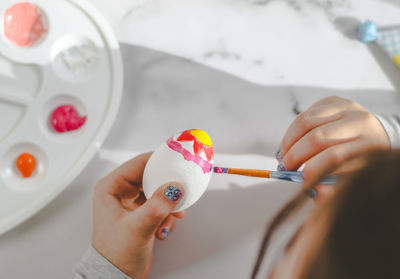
(281,167)
(165,232)
(312,193)
(278,155)
(173,193)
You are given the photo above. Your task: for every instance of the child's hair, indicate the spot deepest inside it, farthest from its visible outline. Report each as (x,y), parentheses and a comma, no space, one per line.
(362,239)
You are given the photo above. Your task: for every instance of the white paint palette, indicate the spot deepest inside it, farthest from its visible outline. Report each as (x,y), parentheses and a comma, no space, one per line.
(76,62)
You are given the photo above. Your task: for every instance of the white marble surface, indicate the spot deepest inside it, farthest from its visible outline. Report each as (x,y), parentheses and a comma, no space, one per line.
(238,69)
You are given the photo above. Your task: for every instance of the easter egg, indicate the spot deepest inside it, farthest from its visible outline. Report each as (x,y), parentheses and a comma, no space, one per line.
(186,158)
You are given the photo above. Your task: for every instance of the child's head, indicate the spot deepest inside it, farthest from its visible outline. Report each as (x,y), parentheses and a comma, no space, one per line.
(355,234)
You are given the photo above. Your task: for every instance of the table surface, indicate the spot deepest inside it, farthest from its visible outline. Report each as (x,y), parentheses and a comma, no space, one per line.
(239,70)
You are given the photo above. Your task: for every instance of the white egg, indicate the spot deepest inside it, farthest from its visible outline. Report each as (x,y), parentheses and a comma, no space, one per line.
(180,159)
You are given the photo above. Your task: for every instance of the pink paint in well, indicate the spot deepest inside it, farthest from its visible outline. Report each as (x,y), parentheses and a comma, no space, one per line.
(23,24)
(65,118)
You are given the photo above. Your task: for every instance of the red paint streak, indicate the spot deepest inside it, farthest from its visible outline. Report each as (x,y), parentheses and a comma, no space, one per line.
(176,146)
(220,170)
(198,146)
(65,118)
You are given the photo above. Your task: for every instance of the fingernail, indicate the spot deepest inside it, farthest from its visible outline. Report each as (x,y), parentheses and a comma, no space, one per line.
(165,232)
(281,167)
(312,193)
(278,155)
(173,193)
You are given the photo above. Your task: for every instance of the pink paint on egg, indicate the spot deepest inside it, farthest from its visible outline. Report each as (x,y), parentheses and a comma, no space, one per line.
(66,118)
(23,24)
(203,164)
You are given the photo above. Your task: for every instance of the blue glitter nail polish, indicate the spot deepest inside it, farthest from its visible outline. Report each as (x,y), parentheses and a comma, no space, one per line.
(281,167)
(278,155)
(312,193)
(165,232)
(173,193)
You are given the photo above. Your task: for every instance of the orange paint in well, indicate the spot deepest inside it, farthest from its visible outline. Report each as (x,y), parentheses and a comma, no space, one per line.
(26,164)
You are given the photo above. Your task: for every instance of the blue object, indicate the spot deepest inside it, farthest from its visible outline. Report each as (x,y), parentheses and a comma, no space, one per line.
(281,166)
(278,155)
(312,193)
(173,193)
(367,32)
(165,232)
(298,176)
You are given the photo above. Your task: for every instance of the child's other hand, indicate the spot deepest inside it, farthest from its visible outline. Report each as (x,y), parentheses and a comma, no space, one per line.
(125,223)
(330,131)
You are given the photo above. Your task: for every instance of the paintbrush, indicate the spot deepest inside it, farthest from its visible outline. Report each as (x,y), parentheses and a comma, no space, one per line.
(294,176)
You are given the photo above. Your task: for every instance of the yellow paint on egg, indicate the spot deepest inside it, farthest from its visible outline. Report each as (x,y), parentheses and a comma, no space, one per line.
(201,136)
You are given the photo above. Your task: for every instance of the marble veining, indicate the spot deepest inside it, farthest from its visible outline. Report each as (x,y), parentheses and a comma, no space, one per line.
(266,42)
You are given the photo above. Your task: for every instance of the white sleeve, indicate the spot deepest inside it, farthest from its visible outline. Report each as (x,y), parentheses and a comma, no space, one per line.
(392,128)
(95,266)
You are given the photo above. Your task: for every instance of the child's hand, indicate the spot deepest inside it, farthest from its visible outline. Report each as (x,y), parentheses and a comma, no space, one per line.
(125,224)
(330,131)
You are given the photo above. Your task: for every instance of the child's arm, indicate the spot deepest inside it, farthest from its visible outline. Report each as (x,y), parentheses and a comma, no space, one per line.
(392,127)
(125,224)
(95,266)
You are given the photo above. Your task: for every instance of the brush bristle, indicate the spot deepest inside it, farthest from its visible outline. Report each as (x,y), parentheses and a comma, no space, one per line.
(220,170)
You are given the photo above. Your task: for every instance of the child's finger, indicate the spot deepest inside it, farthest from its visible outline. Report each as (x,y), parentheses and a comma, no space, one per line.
(166,227)
(118,185)
(123,179)
(153,212)
(317,140)
(323,194)
(132,170)
(123,189)
(329,159)
(180,214)
(306,122)
(326,101)
(322,112)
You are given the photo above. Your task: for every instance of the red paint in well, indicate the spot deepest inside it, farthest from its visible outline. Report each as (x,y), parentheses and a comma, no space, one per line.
(65,118)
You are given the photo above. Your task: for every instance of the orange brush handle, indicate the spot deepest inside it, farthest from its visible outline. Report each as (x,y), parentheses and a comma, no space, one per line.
(254,173)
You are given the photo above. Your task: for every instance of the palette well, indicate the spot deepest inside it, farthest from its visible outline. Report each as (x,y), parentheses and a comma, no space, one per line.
(61,86)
